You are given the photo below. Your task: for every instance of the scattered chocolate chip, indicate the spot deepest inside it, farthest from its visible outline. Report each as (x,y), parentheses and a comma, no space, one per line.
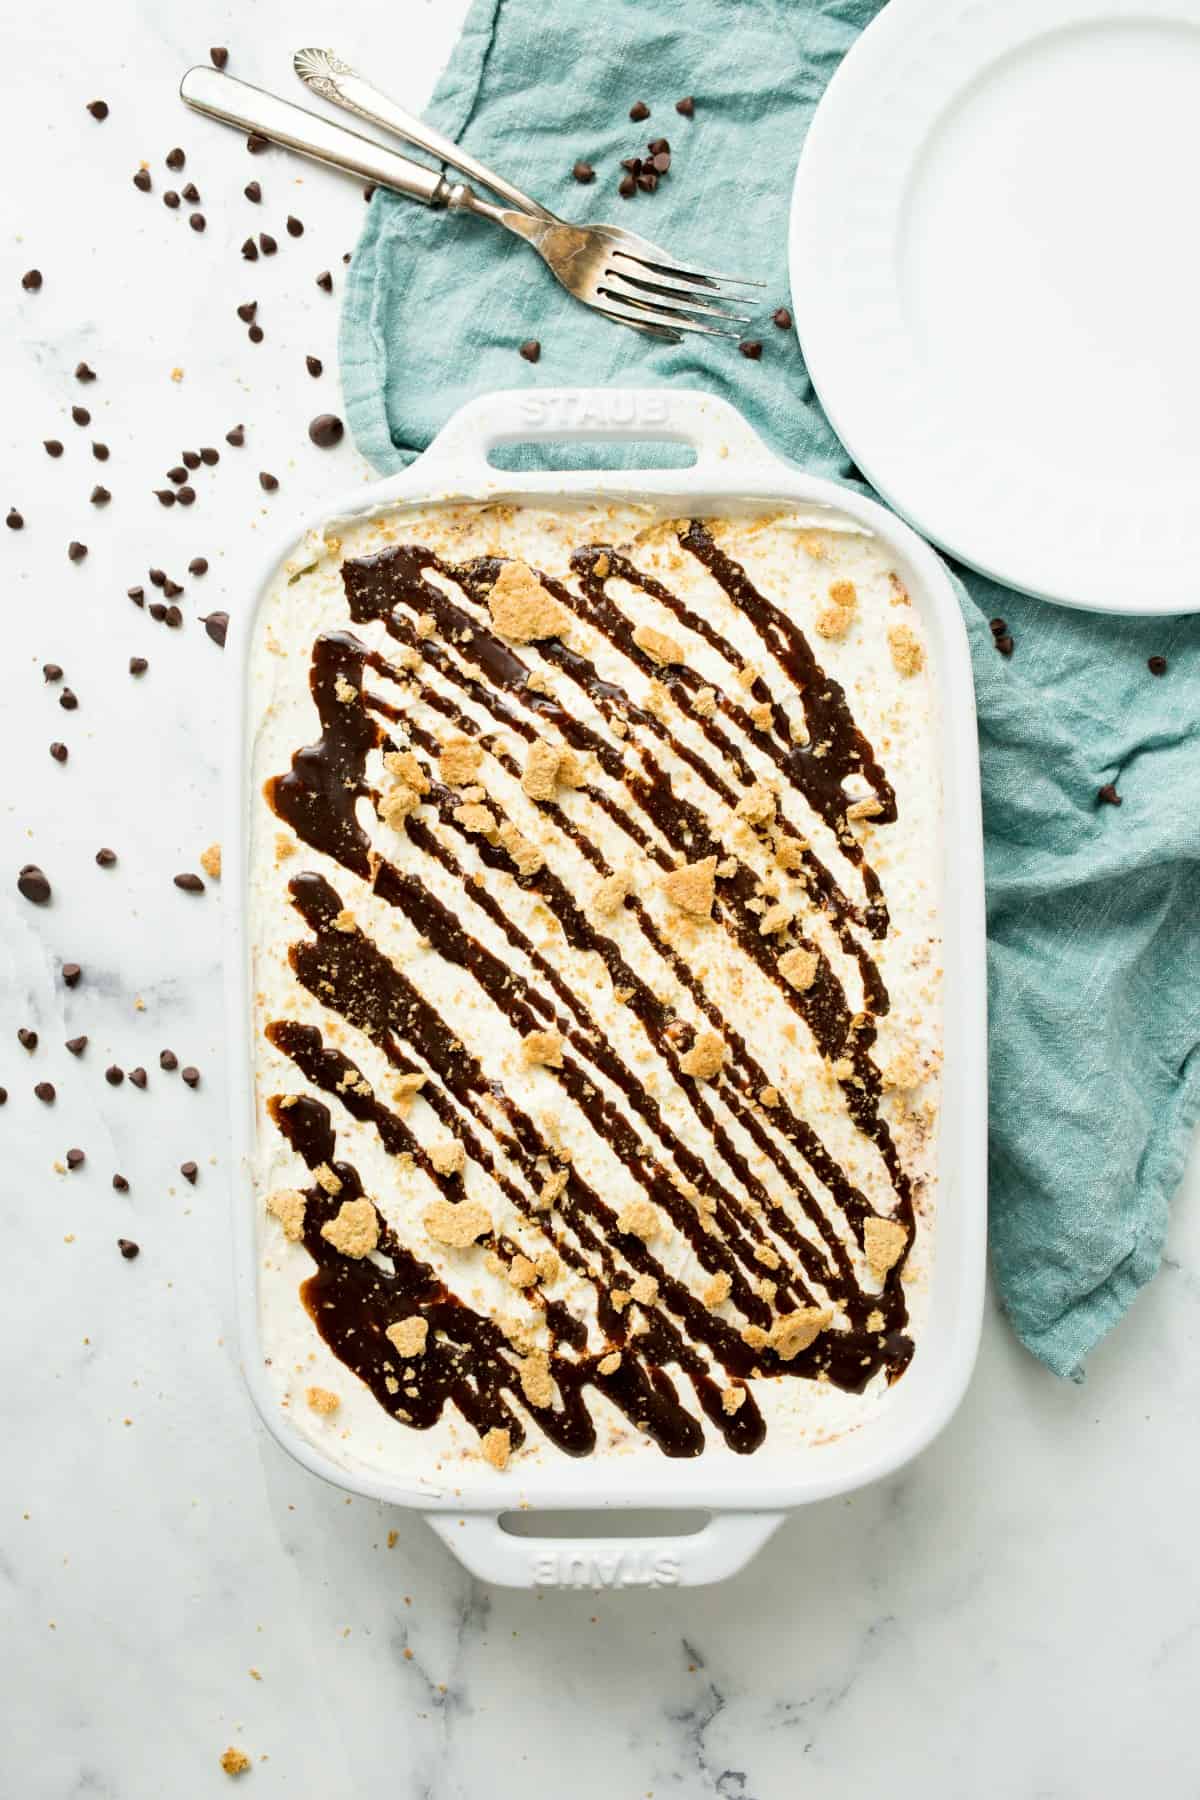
(997,627)
(76,551)
(751,347)
(267,244)
(171,588)
(71,973)
(175,159)
(52,447)
(68,700)
(236,437)
(100,496)
(122,1187)
(1108,794)
(326,430)
(189,1171)
(256,143)
(84,373)
(75,1159)
(158,577)
(100,452)
(783,318)
(1157,665)
(198,565)
(250,250)
(141,180)
(172,617)
(191,884)
(1004,644)
(659,147)
(178,473)
(13,520)
(157,611)
(686,106)
(185,495)
(33,884)
(165,496)
(31,280)
(531,350)
(217,625)
(191,1076)
(661,162)
(126,1246)
(314,365)
(171,199)
(45,1092)
(639,110)
(138,1077)
(51,672)
(167,1059)
(324,281)
(626,186)
(77,1045)
(59,752)
(253,191)
(138,665)
(113,1075)
(98,109)
(294,227)
(191,194)
(647,181)
(209,457)
(81,415)
(220,56)
(583,171)
(27,1039)
(267,482)
(369,192)
(3,1096)
(197,221)
(256,334)
(632,163)
(247,310)
(106,858)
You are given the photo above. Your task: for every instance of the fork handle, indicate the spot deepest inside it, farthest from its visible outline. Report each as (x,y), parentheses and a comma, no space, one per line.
(251,108)
(327,75)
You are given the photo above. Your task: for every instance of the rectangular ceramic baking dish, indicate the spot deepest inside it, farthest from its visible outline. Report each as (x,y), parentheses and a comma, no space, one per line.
(745,1504)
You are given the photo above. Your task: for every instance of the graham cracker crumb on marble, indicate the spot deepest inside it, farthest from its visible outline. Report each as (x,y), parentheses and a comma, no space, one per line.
(799,967)
(525,854)
(610,894)
(641,1220)
(322,1400)
(355,1230)
(448,1156)
(210,861)
(287,1205)
(460,760)
(234,1761)
(406,768)
(691,888)
(883,1244)
(542,1049)
(521,609)
(658,646)
(795,1331)
(458,1226)
(706,1057)
(716,1291)
(537,1383)
(905,646)
(325,1178)
(496,1447)
(409,1336)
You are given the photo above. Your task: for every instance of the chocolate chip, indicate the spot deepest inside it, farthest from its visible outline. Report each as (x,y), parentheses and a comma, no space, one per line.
(106,858)
(59,752)
(632,163)
(45,1092)
(267,482)
(1157,665)
(141,180)
(659,147)
(661,162)
(31,280)
(81,415)
(126,1246)
(158,577)
(209,457)
(267,244)
(52,447)
(326,430)
(369,192)
(71,973)
(51,672)
(68,699)
(191,194)
(191,1076)
(13,520)
(247,310)
(138,665)
(220,56)
(294,227)
(27,1039)
(236,437)
(122,1187)
(113,1075)
(33,884)
(686,106)
(165,496)
(256,143)
(1108,795)
(185,495)
(175,159)
(138,1077)
(157,611)
(253,191)
(639,110)
(191,884)
(100,496)
(100,452)
(75,1159)
(1004,644)
(77,1045)
(172,617)
(167,1059)
(198,565)
(751,347)
(76,551)
(314,365)
(171,588)
(217,625)
(324,281)
(997,627)
(98,108)
(583,171)
(250,250)
(256,334)
(647,181)
(84,373)
(189,1171)
(3,1096)
(626,186)
(171,199)
(783,318)
(197,221)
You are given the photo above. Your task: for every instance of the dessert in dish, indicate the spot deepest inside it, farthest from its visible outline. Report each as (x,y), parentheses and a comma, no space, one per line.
(594,891)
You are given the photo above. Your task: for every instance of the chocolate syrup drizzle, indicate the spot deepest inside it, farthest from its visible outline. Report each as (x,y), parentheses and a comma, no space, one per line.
(715,1200)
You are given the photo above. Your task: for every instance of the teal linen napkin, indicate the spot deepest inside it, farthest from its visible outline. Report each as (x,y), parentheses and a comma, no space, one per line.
(1093,909)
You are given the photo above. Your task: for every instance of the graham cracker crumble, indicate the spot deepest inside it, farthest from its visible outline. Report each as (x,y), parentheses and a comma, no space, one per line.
(460,760)
(322,1400)
(795,1331)
(691,887)
(732,1398)
(425,627)
(345,921)
(448,1156)
(355,1230)
(658,646)
(902,1070)
(554,1185)
(775,919)
(521,1272)
(883,1243)
(234,1761)
(525,854)
(477,819)
(406,768)
(284,846)
(905,646)
(547,1266)
(641,1219)
(496,1447)
(757,804)
(521,609)
(409,1336)
(608,1365)
(764,1254)
(405,1089)
(539,683)
(644,1289)
(789,854)
(345,690)
(870,808)
(458,1226)
(287,1204)
(325,1178)
(537,1383)
(717,1290)
(610,894)
(396,805)
(542,1049)
(542,766)
(210,861)
(704,704)
(800,968)
(834,620)
(706,1057)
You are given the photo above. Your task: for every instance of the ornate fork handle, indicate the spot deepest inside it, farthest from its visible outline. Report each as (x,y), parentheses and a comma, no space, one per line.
(327,75)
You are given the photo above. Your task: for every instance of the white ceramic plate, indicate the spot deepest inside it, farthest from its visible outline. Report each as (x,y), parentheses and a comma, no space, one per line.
(995,271)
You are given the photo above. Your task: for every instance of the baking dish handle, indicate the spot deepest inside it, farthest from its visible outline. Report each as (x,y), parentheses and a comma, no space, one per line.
(721,438)
(721,1548)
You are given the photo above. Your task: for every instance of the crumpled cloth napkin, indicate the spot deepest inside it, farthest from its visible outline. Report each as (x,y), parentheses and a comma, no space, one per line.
(1093,908)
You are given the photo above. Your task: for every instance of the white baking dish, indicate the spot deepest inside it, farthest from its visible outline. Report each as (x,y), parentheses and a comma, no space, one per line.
(749,1499)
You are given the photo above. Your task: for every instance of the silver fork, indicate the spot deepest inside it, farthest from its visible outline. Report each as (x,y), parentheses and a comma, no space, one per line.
(620,274)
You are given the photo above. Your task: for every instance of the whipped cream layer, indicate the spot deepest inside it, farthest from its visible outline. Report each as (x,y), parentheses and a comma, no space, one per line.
(594,900)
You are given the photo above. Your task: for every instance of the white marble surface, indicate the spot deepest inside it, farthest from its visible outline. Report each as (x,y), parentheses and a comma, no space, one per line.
(1016,1615)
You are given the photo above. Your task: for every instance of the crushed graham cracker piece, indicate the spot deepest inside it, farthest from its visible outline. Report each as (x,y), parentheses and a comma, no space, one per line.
(800,968)
(405,1089)
(795,1331)
(644,1289)
(601,565)
(521,609)
(764,1254)
(842,1069)
(755,1337)
(844,593)
(691,887)
(868,808)
(406,768)
(884,1241)
(553,1186)
(458,1226)
(322,1400)
(460,760)
(345,690)
(608,1365)
(425,626)
(345,920)
(620,1298)
(521,1272)
(542,765)
(233,1760)
(287,1204)
(757,804)
(409,1336)
(875,1320)
(716,1291)
(477,820)
(905,646)
(610,893)
(902,1069)
(539,683)
(769,1096)
(640,1218)
(704,705)
(762,715)
(547,1266)
(210,861)
(776,918)
(835,619)
(789,854)
(448,1156)
(706,1057)
(325,1178)
(658,646)
(732,1398)
(284,846)
(525,854)
(542,1049)
(537,1383)
(396,805)
(355,1230)
(496,1447)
